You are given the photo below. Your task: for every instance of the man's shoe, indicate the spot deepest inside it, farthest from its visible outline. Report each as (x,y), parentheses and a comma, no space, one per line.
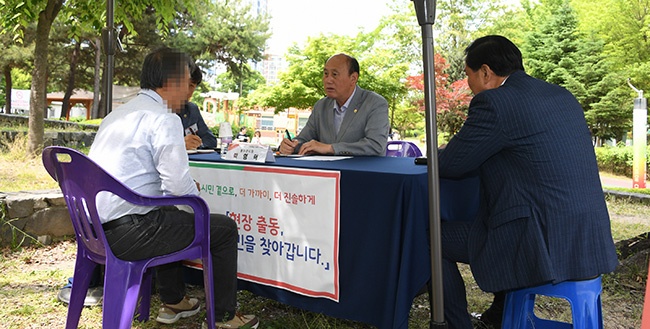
(171,313)
(240,321)
(490,319)
(493,316)
(478,323)
(93,295)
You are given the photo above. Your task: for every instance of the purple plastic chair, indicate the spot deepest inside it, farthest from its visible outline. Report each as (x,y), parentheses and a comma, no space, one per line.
(402,149)
(81,180)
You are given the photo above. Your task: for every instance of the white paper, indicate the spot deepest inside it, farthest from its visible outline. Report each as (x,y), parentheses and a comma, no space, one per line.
(323,158)
(249,152)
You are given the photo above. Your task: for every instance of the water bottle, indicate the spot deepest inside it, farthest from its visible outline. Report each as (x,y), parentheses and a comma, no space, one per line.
(225,142)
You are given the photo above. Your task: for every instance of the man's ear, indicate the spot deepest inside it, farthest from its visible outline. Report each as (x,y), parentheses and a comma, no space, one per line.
(355,77)
(486,72)
(489,78)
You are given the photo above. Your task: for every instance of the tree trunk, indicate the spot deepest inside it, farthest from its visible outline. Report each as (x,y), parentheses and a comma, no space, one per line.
(65,107)
(241,78)
(39,77)
(97,86)
(8,87)
(392,116)
(102,111)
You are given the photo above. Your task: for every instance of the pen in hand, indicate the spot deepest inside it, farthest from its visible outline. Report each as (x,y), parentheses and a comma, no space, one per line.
(286,132)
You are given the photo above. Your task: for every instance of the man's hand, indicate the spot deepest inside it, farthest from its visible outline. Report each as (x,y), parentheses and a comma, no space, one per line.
(192,142)
(316,147)
(287,146)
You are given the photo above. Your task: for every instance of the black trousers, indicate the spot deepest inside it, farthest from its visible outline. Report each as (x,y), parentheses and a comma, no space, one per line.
(169,229)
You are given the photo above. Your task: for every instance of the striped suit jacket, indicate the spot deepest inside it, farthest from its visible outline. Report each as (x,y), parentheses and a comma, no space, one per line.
(542,216)
(364,129)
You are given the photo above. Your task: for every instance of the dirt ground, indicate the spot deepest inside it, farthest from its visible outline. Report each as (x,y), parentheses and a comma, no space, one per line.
(622,298)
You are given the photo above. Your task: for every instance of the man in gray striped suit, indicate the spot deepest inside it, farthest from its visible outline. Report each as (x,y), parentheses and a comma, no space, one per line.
(349,121)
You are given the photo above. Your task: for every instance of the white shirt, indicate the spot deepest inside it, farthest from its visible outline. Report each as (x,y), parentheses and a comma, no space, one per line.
(141,144)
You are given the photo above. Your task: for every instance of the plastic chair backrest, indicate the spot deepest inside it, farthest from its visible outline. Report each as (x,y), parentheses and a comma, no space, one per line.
(402,149)
(80,180)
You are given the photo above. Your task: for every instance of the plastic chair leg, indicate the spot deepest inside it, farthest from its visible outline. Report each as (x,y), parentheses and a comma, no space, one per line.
(121,299)
(83,270)
(145,296)
(209,290)
(583,297)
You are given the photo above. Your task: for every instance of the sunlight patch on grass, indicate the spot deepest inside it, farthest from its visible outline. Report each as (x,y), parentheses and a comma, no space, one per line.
(19,172)
(623,231)
(630,190)
(627,208)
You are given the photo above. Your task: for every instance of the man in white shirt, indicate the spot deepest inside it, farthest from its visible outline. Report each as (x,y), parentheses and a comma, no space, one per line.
(141,143)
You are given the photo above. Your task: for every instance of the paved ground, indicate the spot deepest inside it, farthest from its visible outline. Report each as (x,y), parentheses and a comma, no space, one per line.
(618,182)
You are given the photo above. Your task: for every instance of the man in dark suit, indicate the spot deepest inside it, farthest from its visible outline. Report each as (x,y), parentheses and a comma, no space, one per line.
(349,121)
(542,216)
(197,133)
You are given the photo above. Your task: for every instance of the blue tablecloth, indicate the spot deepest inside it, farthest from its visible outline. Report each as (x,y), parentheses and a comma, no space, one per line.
(384,253)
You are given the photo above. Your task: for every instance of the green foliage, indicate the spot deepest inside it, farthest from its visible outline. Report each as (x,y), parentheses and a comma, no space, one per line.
(301,85)
(408,120)
(250,81)
(589,47)
(557,51)
(20,79)
(96,122)
(623,26)
(611,116)
(630,190)
(385,57)
(234,128)
(459,22)
(619,160)
(224,32)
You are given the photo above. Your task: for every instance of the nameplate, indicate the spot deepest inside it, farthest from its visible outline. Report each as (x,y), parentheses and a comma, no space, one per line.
(248,152)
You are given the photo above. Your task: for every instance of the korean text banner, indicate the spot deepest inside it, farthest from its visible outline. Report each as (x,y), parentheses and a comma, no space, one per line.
(287,219)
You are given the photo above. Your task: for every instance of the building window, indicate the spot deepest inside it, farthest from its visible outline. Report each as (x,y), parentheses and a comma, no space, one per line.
(266,123)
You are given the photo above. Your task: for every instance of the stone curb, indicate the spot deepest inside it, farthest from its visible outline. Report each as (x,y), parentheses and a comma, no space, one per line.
(44,217)
(632,197)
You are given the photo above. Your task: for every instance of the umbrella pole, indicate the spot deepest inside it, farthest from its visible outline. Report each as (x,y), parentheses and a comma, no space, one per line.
(108,38)
(426,12)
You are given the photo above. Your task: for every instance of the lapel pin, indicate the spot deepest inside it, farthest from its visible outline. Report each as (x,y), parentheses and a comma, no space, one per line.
(355,110)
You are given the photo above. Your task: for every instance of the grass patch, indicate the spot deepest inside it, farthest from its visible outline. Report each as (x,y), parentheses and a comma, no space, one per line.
(32,276)
(630,190)
(21,172)
(624,207)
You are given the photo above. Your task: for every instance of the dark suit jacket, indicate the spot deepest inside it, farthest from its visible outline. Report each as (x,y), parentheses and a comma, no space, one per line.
(191,115)
(364,129)
(543,216)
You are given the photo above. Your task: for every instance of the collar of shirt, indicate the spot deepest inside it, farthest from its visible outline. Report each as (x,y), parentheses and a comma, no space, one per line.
(153,95)
(504,81)
(347,103)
